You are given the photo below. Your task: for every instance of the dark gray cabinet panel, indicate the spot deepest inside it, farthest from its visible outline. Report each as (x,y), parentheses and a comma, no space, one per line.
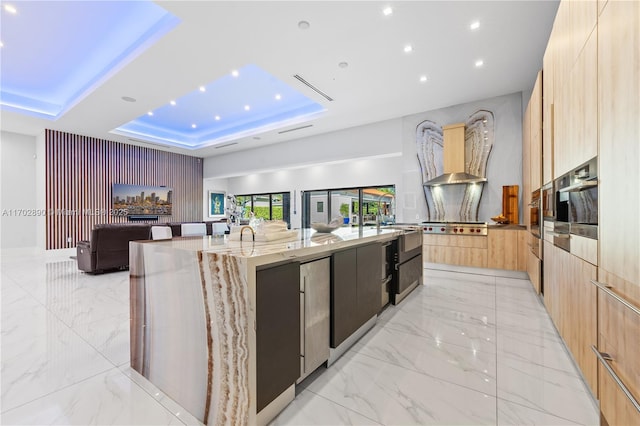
(408,273)
(278,330)
(344,296)
(369,265)
(355,289)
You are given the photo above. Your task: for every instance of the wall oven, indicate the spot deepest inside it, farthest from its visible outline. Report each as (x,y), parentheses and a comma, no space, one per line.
(583,200)
(561,231)
(576,204)
(535,224)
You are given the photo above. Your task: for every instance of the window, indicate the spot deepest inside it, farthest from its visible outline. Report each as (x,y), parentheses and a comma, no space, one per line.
(357,206)
(272,206)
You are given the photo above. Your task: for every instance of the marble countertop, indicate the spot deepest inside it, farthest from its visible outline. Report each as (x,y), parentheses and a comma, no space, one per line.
(307,242)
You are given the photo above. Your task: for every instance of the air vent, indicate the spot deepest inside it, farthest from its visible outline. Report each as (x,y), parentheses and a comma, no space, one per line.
(314,88)
(225,145)
(294,129)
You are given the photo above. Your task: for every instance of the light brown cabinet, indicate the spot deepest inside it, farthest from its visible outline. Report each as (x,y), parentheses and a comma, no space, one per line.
(592,75)
(619,336)
(526,164)
(574,42)
(533,269)
(570,299)
(619,126)
(535,129)
(582,133)
(619,204)
(455,250)
(500,249)
(506,249)
(547,114)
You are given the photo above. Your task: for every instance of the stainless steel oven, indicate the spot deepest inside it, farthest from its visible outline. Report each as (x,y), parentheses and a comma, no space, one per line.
(561,231)
(576,204)
(535,224)
(583,200)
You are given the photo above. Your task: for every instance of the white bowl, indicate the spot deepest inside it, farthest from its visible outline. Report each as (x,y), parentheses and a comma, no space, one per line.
(324,227)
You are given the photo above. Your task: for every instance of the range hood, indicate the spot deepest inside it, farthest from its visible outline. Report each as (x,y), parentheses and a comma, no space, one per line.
(454,159)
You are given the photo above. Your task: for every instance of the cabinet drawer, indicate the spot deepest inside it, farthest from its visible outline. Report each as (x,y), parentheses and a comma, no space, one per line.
(455,241)
(619,337)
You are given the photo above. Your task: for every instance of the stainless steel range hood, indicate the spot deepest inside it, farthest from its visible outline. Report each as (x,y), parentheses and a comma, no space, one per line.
(454,159)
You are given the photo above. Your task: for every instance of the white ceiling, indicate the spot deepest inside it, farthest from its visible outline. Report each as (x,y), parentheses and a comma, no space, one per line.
(381,81)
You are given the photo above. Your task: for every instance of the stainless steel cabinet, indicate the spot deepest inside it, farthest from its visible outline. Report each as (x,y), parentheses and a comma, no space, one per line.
(314,315)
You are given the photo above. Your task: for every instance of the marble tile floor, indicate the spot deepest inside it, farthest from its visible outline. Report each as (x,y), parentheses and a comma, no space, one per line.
(471,347)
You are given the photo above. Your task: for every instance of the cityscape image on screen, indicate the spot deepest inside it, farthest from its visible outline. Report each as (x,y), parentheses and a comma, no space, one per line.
(142,199)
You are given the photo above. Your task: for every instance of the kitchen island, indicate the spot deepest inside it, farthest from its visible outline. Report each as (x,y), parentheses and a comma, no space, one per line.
(216,324)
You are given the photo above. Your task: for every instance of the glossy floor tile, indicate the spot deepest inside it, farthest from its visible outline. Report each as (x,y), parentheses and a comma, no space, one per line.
(469,347)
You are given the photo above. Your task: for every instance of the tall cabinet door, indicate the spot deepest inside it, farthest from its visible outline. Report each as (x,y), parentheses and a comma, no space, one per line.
(344,296)
(619,107)
(277,331)
(369,291)
(547,113)
(535,126)
(619,206)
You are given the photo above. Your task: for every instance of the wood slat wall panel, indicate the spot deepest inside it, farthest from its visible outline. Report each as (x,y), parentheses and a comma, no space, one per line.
(80,171)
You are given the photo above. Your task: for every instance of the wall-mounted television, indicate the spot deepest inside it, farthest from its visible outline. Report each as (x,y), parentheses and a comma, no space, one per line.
(141,199)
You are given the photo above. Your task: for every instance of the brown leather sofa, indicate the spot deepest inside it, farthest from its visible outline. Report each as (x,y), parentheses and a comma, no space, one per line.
(108,248)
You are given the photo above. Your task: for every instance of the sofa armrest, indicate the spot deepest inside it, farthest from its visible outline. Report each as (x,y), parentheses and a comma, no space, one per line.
(86,259)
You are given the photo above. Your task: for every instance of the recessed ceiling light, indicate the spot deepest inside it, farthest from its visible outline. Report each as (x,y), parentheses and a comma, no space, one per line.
(193,126)
(423,79)
(10,8)
(150,113)
(475,25)
(173,103)
(203,89)
(1,44)
(207,110)
(235,73)
(343,64)
(128,99)
(408,48)
(247,107)
(304,25)
(278,96)
(387,11)
(479,63)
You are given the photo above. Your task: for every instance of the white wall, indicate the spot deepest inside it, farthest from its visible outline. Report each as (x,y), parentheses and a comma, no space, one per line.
(383,153)
(505,160)
(18,199)
(377,139)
